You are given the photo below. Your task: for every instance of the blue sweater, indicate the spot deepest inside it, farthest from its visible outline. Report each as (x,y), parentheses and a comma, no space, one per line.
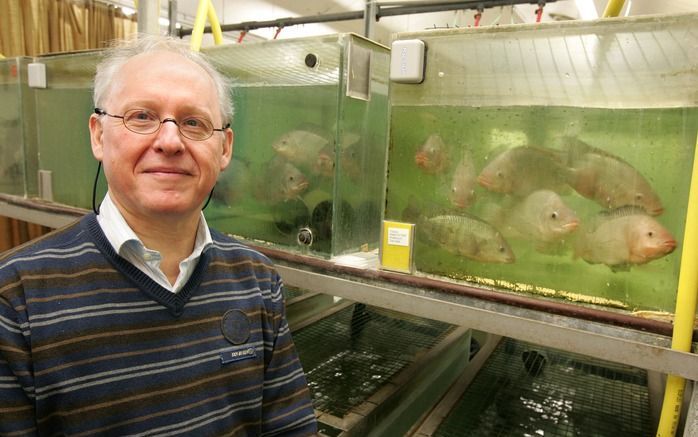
(90,345)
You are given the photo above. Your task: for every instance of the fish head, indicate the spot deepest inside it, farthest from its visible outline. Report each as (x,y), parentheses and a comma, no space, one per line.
(293,182)
(497,175)
(495,250)
(495,178)
(462,196)
(649,240)
(555,218)
(431,156)
(649,201)
(284,145)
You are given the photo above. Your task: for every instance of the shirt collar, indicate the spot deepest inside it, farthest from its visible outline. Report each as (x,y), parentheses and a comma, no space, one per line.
(119,233)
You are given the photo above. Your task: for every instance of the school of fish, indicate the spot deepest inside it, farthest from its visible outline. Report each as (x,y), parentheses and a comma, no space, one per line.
(533,183)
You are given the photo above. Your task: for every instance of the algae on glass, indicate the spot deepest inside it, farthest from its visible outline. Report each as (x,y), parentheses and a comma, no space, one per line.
(310,139)
(552,159)
(17,135)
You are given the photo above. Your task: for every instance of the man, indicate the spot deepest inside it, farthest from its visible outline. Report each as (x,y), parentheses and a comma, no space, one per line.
(139,319)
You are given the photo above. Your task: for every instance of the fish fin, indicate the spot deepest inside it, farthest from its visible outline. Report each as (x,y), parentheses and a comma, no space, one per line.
(622,211)
(620,268)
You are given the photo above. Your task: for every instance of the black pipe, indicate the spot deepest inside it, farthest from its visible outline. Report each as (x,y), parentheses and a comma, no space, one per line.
(383,10)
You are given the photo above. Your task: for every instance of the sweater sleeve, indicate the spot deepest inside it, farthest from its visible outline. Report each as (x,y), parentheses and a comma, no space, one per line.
(287,409)
(17,414)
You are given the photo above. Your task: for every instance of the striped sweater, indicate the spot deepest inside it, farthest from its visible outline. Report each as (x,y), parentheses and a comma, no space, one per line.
(90,345)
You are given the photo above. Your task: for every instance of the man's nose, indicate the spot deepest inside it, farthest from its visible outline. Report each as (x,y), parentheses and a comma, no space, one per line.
(169,139)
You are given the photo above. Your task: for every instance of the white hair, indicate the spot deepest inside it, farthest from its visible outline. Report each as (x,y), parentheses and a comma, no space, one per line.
(121,51)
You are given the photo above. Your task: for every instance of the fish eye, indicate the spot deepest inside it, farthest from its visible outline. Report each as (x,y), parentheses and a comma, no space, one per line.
(553,215)
(650,234)
(500,174)
(638,196)
(501,249)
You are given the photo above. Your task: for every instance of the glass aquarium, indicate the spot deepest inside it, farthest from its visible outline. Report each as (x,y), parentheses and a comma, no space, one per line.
(18,162)
(551,158)
(310,141)
(63,109)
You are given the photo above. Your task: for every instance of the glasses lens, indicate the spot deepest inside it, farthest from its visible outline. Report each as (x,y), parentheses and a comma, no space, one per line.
(141,121)
(196,128)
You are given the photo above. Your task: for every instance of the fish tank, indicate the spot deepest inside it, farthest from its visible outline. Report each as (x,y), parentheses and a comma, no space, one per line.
(552,158)
(66,165)
(18,161)
(310,143)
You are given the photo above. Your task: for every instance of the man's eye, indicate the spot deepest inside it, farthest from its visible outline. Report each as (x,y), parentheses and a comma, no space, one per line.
(137,115)
(192,122)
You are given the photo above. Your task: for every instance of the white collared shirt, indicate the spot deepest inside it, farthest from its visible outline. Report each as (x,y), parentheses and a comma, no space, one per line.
(127,244)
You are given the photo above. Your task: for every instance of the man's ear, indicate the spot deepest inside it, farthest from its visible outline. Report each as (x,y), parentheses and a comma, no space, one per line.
(227,148)
(96,132)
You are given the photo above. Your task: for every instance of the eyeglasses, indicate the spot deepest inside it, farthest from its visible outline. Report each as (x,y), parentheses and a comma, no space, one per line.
(144,122)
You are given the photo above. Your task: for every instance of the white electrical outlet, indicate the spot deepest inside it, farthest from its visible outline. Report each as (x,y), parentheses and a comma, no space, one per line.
(407,61)
(36,75)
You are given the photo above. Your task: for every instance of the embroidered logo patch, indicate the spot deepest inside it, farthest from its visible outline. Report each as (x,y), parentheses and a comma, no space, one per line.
(235,326)
(237,355)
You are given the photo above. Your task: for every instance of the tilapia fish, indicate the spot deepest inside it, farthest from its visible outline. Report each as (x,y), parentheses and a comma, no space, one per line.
(432,156)
(466,236)
(541,216)
(607,179)
(300,147)
(623,237)
(282,181)
(522,170)
(463,182)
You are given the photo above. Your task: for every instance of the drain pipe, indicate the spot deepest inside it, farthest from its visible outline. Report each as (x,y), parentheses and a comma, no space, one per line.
(685,313)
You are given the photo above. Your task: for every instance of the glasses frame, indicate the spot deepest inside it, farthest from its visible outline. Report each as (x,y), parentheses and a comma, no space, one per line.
(100,111)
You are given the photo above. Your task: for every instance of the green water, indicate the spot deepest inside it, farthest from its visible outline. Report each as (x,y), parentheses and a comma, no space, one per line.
(11,142)
(659,143)
(64,144)
(343,208)
(17,137)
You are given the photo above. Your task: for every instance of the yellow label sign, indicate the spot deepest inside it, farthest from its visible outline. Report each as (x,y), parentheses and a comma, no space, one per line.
(396,246)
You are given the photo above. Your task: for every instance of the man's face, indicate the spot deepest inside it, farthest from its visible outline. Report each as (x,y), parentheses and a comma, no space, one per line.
(162,174)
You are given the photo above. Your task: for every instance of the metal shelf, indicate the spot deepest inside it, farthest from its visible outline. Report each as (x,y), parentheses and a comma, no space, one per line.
(636,347)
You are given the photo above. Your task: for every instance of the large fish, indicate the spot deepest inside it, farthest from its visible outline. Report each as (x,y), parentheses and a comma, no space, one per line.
(349,158)
(623,237)
(432,157)
(463,182)
(466,236)
(282,181)
(607,179)
(300,147)
(522,170)
(542,216)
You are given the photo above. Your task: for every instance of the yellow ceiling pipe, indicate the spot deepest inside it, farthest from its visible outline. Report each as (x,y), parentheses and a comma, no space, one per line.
(613,8)
(204,10)
(685,313)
